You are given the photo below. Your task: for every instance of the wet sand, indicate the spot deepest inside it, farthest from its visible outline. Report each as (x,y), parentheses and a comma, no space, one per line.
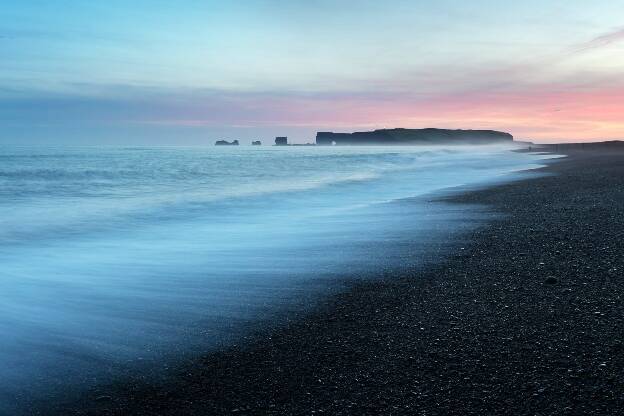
(526,318)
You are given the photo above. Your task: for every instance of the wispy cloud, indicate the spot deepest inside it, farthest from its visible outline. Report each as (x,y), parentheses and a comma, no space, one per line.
(602,40)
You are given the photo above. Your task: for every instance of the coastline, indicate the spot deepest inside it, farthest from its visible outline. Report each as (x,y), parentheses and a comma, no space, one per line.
(483,332)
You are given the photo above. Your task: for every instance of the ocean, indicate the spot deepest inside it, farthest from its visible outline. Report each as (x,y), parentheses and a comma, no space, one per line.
(121,259)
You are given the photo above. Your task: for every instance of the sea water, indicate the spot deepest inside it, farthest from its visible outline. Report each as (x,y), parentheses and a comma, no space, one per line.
(112,256)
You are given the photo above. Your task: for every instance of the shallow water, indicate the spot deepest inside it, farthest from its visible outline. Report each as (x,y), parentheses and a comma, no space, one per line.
(113,255)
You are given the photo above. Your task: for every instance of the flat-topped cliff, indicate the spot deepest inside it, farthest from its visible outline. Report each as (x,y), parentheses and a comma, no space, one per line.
(413,136)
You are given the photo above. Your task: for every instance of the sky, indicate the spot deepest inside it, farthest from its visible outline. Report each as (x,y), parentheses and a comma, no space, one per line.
(191,72)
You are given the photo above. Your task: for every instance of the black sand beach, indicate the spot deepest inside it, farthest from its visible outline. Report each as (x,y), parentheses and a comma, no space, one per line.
(527,318)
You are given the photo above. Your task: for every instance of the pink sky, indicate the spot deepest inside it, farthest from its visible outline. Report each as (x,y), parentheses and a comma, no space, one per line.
(540,114)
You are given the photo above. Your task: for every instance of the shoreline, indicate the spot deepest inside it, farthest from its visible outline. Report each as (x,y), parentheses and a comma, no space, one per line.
(485,331)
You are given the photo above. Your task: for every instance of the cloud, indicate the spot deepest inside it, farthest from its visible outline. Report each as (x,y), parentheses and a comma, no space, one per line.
(602,40)
(536,111)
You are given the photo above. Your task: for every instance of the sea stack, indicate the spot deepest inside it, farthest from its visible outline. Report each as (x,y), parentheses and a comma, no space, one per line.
(226,143)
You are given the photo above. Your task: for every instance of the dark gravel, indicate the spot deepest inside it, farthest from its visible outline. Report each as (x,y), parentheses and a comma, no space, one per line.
(528,318)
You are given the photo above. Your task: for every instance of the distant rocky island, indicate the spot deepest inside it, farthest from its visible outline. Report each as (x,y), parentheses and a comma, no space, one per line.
(413,136)
(226,143)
